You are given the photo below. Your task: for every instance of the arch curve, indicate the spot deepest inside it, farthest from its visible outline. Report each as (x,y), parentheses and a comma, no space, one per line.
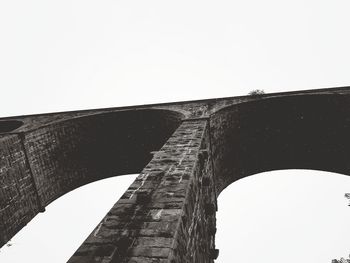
(71,153)
(290,132)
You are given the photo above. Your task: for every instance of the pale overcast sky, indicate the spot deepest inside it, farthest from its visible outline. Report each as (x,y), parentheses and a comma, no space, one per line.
(72,55)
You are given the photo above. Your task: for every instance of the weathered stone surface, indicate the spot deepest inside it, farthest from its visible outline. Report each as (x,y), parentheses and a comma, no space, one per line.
(186,154)
(19,201)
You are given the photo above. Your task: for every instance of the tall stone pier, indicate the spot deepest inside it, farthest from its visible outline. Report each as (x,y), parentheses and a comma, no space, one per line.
(186,153)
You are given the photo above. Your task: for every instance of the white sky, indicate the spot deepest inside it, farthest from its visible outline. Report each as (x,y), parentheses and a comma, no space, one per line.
(68,55)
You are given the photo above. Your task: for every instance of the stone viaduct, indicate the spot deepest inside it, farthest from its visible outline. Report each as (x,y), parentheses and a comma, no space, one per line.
(186,154)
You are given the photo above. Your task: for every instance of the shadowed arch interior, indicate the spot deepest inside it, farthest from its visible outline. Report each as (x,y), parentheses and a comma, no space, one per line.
(71,153)
(294,132)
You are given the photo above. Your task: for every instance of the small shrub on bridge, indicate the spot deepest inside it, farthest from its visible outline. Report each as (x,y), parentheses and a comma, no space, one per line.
(256,92)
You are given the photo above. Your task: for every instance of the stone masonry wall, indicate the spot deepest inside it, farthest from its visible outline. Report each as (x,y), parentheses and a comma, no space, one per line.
(166,215)
(18,197)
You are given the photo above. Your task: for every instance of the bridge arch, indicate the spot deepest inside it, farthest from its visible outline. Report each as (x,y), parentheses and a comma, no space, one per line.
(49,161)
(174,196)
(74,152)
(291,132)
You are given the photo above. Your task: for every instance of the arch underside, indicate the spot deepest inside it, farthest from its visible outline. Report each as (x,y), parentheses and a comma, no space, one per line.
(41,165)
(75,152)
(293,132)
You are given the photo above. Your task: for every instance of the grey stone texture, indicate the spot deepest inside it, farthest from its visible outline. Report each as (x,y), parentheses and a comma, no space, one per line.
(186,153)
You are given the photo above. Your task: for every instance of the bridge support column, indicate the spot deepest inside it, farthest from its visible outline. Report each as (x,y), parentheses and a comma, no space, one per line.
(166,214)
(19,200)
